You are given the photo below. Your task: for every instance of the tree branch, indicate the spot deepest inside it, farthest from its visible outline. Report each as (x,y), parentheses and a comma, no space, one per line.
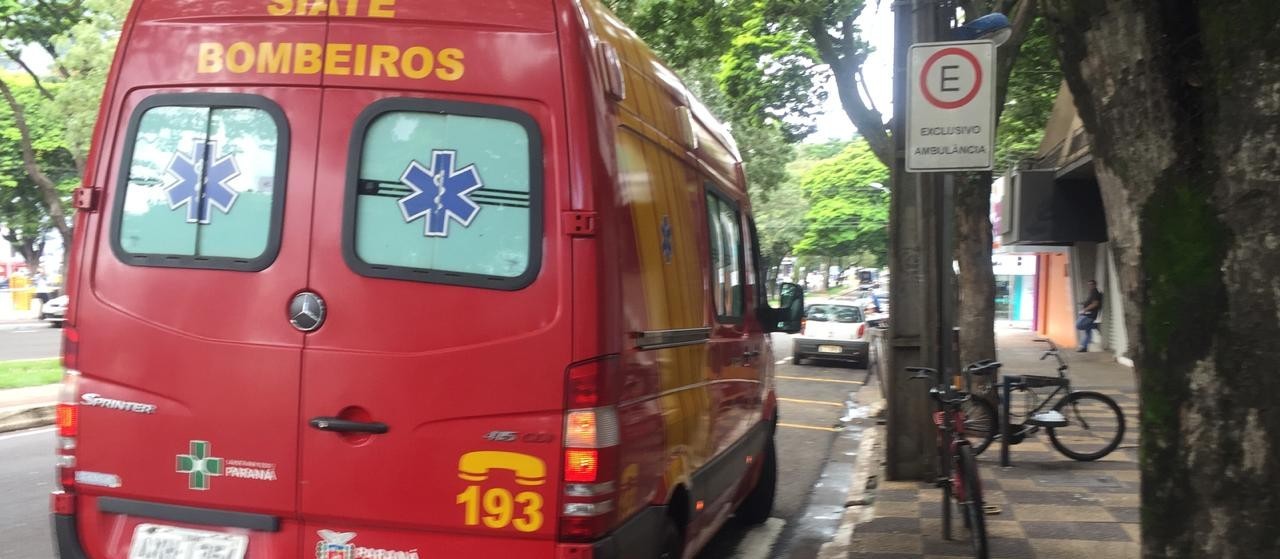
(869,122)
(17,58)
(862,80)
(846,42)
(822,41)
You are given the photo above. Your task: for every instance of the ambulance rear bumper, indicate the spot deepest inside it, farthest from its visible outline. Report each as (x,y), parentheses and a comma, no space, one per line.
(638,538)
(66,538)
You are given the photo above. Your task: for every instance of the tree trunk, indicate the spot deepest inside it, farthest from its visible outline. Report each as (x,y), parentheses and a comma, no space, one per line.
(1181,103)
(29,249)
(976,305)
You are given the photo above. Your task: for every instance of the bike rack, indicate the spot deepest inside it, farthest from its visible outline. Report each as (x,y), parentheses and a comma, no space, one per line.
(1006,390)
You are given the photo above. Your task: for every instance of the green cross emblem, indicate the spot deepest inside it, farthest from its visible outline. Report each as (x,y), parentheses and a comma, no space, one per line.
(199,465)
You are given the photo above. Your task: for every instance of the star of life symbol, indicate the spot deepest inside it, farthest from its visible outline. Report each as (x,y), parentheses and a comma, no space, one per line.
(199,466)
(667,248)
(187,188)
(440,193)
(335,545)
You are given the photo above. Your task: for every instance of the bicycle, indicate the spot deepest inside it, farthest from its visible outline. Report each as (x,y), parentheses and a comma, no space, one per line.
(957,462)
(1082,424)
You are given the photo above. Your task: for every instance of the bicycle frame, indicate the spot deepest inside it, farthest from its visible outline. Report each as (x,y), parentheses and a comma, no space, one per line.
(950,423)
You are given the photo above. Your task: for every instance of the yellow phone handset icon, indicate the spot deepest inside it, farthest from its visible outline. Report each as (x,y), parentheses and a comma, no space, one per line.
(475,466)
(498,504)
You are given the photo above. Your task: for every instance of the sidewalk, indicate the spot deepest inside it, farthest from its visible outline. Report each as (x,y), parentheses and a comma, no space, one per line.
(24,408)
(1051,506)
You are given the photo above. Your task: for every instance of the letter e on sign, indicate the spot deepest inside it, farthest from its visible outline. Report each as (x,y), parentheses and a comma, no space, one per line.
(951,107)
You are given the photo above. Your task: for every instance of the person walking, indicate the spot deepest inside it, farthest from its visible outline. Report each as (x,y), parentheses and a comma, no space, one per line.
(1089,315)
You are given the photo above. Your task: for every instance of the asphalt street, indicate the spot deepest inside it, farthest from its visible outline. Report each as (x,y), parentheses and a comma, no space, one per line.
(26,479)
(29,340)
(811,402)
(812,482)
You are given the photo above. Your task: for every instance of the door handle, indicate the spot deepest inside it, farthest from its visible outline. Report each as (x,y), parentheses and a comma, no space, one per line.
(338,425)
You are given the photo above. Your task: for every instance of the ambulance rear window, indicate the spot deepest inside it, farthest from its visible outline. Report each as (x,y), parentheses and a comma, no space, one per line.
(445,192)
(202,184)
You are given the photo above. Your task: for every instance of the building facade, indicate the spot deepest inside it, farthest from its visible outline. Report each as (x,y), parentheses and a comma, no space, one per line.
(1052,210)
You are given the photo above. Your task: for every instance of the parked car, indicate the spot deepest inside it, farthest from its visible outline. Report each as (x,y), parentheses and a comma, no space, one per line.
(55,311)
(832,329)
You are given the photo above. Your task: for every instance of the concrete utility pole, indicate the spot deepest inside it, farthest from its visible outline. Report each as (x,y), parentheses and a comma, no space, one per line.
(920,235)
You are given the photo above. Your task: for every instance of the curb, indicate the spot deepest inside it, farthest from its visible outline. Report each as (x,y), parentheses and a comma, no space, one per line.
(859,506)
(26,418)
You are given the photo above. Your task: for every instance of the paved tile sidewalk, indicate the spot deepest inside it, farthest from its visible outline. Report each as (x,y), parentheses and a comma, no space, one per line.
(1051,506)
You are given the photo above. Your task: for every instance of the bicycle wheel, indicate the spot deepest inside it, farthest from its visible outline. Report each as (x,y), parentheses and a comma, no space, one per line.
(969,497)
(1095,426)
(980,423)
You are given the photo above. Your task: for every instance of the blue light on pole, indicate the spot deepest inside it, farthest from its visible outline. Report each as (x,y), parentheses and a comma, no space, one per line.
(994,27)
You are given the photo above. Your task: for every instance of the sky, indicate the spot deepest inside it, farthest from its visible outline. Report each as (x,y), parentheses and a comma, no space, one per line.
(876,24)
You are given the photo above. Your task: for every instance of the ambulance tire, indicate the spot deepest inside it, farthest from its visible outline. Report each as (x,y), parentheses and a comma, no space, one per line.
(758,505)
(672,541)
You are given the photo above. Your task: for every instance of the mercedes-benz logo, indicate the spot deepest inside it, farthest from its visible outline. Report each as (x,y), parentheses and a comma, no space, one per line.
(306,311)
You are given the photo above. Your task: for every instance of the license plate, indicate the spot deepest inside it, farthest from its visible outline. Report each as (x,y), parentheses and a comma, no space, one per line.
(151,541)
(829,349)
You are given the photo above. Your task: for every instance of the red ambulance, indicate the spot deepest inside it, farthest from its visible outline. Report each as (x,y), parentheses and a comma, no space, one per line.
(402,279)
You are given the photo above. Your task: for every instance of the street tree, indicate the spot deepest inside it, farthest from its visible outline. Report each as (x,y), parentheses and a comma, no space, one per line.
(24,209)
(36,22)
(848,203)
(79,37)
(1181,101)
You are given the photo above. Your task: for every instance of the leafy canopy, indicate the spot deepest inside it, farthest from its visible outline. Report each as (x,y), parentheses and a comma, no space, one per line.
(848,205)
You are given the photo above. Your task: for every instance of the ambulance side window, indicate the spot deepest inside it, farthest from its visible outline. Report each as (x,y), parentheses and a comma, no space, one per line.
(725,234)
(202,184)
(445,192)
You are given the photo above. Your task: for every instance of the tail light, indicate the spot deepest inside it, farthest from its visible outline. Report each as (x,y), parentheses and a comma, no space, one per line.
(804,323)
(70,348)
(862,329)
(67,415)
(590,453)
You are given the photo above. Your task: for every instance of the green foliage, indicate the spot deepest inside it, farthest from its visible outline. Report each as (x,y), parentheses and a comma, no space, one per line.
(691,35)
(682,32)
(1033,86)
(59,106)
(25,22)
(780,221)
(23,209)
(847,213)
(87,51)
(765,150)
(771,76)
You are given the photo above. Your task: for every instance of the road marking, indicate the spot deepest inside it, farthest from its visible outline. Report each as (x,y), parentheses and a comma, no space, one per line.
(820,379)
(26,433)
(815,402)
(29,360)
(759,542)
(813,427)
(782,361)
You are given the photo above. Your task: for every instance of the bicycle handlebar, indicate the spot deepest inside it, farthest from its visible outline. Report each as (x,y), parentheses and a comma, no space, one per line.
(983,365)
(940,389)
(1056,353)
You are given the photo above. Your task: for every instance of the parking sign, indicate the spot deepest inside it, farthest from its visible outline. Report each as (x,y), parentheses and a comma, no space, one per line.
(951,107)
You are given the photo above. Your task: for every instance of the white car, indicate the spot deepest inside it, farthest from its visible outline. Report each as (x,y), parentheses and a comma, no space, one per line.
(832,329)
(55,311)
